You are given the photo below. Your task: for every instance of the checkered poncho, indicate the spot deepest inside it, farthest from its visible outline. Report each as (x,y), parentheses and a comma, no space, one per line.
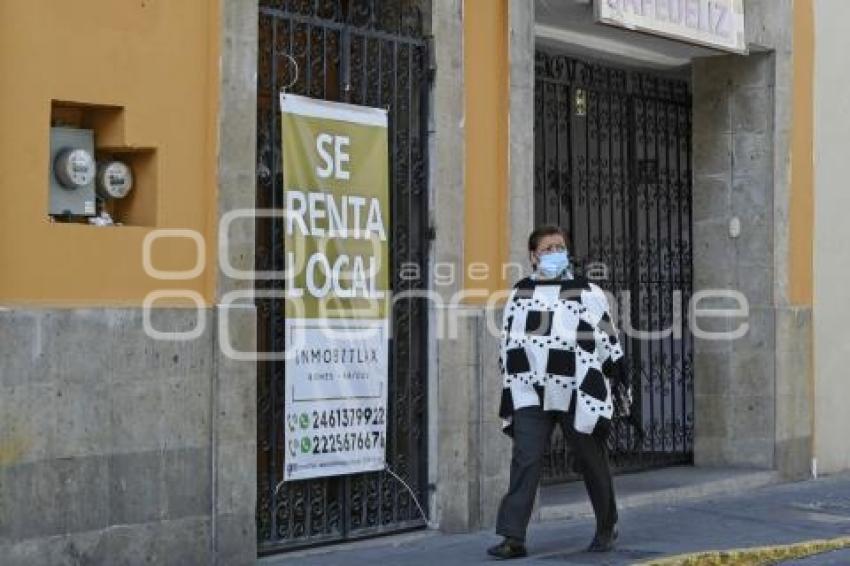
(558,349)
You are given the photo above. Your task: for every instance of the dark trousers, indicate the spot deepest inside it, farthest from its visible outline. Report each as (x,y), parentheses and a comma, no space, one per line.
(532,430)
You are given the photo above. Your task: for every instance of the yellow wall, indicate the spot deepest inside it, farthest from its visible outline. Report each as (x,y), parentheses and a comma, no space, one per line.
(801,215)
(485,56)
(157,59)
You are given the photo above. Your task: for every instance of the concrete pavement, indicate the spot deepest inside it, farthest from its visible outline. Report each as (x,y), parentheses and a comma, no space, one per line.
(768,515)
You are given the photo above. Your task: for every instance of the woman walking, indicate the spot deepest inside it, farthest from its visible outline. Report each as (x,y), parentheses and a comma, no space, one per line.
(561,363)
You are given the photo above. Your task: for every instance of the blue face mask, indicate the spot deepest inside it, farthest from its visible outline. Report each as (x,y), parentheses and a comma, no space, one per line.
(552,264)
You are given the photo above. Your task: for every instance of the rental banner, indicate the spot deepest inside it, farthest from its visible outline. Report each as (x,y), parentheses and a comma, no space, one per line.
(336,229)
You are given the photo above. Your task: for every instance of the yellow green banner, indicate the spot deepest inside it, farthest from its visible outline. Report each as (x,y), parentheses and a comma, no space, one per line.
(336,200)
(337,278)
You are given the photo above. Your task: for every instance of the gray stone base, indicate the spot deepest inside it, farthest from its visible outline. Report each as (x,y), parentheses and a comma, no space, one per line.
(180,542)
(474,454)
(116,448)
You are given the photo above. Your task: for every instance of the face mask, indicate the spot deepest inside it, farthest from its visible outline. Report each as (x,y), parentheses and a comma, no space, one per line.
(553,264)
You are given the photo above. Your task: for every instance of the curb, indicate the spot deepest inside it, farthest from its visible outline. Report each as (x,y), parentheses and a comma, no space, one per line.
(754,556)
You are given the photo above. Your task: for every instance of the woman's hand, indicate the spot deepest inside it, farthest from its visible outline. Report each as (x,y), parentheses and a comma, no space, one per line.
(622,393)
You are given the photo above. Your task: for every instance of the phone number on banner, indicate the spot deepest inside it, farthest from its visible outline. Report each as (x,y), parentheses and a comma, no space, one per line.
(342,442)
(337,418)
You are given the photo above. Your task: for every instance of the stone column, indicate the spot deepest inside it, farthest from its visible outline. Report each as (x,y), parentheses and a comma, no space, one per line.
(470,456)
(234,382)
(752,395)
(451,370)
(733,182)
(521,129)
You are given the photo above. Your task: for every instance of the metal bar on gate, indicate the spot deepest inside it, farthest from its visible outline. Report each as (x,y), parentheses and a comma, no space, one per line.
(634,287)
(690,257)
(658,360)
(325,63)
(394,206)
(308,58)
(364,99)
(272,385)
(316,21)
(669,287)
(409,303)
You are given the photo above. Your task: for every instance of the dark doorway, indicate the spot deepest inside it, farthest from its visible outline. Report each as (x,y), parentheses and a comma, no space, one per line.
(613,166)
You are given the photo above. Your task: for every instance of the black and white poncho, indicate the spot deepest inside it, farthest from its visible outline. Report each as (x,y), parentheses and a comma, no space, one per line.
(560,349)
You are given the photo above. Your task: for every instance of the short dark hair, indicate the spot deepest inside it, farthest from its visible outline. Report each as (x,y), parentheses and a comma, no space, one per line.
(541,232)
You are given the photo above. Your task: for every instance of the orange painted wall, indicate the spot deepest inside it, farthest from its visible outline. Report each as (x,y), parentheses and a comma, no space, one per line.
(801,209)
(485,57)
(156,58)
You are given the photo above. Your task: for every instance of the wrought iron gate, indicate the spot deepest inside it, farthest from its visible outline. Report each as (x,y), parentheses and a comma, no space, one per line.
(613,166)
(369,52)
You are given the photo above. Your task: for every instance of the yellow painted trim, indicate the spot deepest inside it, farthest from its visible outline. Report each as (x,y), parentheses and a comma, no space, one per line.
(754,556)
(486,80)
(801,205)
(212,146)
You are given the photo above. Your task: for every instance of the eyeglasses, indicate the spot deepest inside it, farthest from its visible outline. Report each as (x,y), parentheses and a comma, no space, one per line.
(552,248)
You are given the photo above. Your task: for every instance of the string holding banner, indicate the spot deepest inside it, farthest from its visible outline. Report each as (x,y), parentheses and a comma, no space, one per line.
(295,77)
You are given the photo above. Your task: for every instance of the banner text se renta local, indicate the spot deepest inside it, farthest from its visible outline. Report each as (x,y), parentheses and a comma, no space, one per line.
(328,217)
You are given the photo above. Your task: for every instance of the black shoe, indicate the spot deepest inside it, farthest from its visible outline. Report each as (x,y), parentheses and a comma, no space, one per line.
(508,548)
(603,542)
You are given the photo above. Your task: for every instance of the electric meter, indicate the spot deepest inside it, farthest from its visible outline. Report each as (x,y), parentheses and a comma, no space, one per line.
(74,168)
(71,172)
(114,179)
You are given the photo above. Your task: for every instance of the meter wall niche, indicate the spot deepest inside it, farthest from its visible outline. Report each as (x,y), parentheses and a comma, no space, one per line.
(71,172)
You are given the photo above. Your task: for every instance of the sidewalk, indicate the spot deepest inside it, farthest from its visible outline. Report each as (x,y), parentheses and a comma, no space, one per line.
(769,515)
(665,486)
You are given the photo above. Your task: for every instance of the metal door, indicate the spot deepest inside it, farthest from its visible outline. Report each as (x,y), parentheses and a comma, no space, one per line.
(613,167)
(368,52)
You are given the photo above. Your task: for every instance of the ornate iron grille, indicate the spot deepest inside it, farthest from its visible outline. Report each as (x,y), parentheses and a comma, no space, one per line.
(371,53)
(613,166)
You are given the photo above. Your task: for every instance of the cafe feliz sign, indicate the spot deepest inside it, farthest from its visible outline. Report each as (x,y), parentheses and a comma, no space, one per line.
(718,24)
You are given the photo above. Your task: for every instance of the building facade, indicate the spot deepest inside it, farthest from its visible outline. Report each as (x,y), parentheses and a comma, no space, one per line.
(679,170)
